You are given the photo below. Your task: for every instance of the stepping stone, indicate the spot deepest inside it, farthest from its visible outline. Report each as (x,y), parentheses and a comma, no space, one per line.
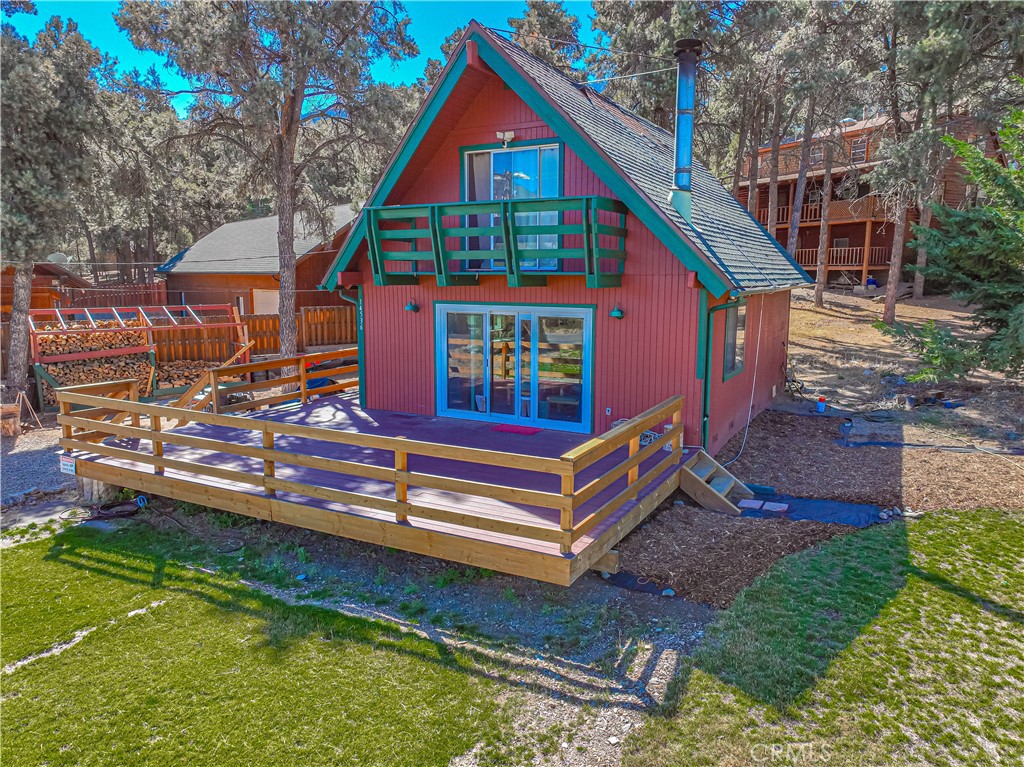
(770,506)
(749,503)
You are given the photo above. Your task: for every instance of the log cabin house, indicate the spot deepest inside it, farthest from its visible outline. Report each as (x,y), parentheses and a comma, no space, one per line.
(238,264)
(558,311)
(51,284)
(860,227)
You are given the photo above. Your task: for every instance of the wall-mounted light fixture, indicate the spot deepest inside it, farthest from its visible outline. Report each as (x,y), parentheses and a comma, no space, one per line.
(616,313)
(412,306)
(506,136)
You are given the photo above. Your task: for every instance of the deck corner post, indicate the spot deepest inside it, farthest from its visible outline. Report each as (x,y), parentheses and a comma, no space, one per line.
(302,382)
(133,396)
(568,505)
(65,410)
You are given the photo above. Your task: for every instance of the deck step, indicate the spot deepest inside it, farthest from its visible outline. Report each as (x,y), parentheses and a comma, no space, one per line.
(722,484)
(705,467)
(711,485)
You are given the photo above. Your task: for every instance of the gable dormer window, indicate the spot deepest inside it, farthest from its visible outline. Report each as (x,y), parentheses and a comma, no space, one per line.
(515,173)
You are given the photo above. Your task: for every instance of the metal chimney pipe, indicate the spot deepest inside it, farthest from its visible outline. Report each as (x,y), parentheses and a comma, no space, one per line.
(687,52)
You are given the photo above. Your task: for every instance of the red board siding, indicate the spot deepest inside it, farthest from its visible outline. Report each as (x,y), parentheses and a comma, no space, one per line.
(730,401)
(640,360)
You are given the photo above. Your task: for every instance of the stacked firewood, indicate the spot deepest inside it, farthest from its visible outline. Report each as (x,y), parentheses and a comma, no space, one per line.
(76,343)
(171,375)
(98,370)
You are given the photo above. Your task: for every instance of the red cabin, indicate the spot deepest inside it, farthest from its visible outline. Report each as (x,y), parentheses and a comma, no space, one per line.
(620,288)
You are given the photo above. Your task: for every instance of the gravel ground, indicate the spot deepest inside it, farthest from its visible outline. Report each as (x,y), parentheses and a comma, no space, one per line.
(30,462)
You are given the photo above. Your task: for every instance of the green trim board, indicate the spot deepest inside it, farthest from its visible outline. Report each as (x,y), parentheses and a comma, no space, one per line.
(566,131)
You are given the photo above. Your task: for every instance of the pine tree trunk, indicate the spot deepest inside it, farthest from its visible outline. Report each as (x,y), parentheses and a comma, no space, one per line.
(773,183)
(892,286)
(286,251)
(922,252)
(826,203)
(17,351)
(95,267)
(150,250)
(740,149)
(801,178)
(755,160)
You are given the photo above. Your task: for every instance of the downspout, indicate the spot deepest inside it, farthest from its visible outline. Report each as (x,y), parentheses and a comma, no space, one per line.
(687,53)
(361,352)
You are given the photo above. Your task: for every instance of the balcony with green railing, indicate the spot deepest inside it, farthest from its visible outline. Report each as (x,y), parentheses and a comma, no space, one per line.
(458,242)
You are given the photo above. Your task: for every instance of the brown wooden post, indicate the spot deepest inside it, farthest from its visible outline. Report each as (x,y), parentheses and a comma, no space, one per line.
(401,488)
(269,470)
(133,396)
(158,445)
(302,381)
(634,448)
(214,395)
(65,430)
(868,231)
(677,441)
(566,521)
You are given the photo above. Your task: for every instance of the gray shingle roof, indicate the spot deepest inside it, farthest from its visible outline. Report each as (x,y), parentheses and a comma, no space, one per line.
(728,236)
(250,247)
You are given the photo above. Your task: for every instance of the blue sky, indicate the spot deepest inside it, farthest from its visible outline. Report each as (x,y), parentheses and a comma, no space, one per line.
(432,21)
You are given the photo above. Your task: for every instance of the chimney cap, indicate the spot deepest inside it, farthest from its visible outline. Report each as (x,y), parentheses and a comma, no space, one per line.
(688,45)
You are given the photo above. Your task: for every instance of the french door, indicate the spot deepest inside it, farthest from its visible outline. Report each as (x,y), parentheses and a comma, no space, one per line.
(525,365)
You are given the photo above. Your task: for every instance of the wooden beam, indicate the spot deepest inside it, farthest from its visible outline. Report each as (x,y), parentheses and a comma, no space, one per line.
(609,563)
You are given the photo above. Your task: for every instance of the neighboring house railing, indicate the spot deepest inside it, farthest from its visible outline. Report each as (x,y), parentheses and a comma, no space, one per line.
(526,240)
(843,257)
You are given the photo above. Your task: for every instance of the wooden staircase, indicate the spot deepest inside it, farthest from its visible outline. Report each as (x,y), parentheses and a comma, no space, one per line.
(711,485)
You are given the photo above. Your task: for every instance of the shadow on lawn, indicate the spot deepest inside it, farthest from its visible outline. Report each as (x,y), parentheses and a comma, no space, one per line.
(149,561)
(782,634)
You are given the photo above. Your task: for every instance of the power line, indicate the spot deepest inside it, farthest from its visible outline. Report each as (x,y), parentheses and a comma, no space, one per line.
(578,44)
(624,77)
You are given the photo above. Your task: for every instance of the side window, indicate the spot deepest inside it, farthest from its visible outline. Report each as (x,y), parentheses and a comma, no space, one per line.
(859,149)
(735,335)
(817,154)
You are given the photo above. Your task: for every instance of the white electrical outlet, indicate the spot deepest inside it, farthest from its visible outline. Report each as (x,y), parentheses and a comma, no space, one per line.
(607,411)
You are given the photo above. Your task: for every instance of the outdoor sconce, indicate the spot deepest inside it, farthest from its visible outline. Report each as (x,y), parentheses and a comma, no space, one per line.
(412,306)
(616,313)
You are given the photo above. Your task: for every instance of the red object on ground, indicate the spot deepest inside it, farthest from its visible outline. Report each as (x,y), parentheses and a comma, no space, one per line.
(513,429)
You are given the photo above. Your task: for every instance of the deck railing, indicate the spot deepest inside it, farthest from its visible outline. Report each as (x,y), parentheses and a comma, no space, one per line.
(582,236)
(86,430)
(844,258)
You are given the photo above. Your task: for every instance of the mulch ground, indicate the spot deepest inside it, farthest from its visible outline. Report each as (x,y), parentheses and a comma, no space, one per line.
(798,455)
(710,557)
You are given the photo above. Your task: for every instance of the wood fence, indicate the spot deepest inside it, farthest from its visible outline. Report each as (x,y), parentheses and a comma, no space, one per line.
(146,294)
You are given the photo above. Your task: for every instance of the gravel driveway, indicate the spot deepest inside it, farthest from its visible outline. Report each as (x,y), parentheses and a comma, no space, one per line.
(29,462)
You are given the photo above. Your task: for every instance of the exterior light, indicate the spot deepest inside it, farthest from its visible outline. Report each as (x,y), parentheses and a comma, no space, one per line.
(616,313)
(412,306)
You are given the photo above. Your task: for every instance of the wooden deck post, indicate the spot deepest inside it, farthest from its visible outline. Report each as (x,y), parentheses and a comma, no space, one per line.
(677,441)
(634,448)
(133,396)
(214,395)
(269,470)
(65,430)
(566,517)
(868,228)
(302,382)
(401,488)
(158,445)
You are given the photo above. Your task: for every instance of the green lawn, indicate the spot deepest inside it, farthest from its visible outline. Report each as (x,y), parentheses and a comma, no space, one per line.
(895,645)
(211,672)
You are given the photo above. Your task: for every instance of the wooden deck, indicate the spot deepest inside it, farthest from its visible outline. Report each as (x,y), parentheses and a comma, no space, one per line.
(546,505)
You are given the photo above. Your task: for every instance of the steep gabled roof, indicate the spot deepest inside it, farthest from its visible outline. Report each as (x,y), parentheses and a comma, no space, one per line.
(727,248)
(249,247)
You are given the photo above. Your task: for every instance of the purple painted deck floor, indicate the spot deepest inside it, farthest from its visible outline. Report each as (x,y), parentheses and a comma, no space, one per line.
(343,413)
